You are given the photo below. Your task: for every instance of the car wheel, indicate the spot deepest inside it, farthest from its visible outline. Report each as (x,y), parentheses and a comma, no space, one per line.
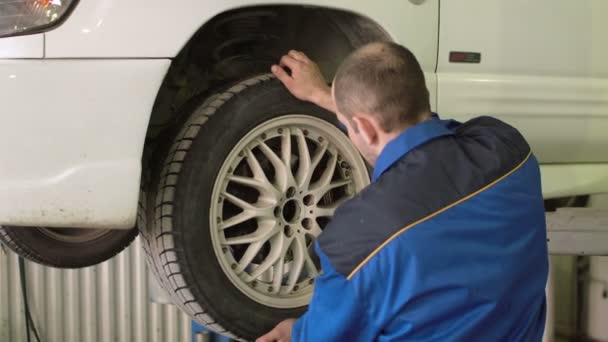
(66,247)
(249,182)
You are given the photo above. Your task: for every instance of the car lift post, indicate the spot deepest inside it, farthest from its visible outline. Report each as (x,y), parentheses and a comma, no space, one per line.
(574,231)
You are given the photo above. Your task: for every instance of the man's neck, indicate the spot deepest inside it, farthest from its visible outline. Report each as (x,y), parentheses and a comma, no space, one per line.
(388,137)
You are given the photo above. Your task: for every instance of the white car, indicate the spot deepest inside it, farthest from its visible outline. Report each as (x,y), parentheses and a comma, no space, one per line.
(161,114)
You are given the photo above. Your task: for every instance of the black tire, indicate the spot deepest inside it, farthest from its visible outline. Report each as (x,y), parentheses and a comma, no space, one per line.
(177,237)
(47,246)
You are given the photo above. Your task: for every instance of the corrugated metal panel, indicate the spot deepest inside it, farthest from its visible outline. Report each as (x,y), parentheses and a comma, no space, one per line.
(107,302)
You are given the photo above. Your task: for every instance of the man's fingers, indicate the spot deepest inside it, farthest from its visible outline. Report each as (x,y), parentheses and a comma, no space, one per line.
(281,74)
(298,55)
(272,336)
(290,62)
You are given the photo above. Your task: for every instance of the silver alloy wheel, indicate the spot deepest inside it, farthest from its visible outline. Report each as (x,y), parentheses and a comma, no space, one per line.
(273,195)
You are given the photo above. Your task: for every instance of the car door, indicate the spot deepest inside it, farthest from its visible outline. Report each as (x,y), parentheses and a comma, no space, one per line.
(541,66)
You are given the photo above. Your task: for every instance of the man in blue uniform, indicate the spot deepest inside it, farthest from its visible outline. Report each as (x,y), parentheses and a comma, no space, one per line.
(448,243)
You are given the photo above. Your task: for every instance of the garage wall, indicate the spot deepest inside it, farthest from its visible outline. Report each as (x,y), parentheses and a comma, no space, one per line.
(108,302)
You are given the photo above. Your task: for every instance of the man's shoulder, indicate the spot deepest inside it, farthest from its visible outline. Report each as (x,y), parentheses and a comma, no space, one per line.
(358,227)
(491,128)
(403,195)
(423,182)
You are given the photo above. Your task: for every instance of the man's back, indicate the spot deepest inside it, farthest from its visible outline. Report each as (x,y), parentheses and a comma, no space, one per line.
(419,266)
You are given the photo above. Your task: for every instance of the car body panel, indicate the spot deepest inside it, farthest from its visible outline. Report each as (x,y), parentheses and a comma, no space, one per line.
(79,165)
(565,119)
(157,28)
(564,180)
(31,46)
(71,139)
(73,124)
(543,69)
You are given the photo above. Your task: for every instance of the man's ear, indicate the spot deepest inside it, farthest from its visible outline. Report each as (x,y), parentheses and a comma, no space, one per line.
(367,128)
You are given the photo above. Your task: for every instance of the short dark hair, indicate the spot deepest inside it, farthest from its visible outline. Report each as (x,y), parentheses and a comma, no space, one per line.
(383,79)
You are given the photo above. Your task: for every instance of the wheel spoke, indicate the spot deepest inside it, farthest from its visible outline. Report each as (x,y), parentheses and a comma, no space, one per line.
(329,210)
(248,256)
(282,172)
(311,267)
(271,155)
(276,250)
(265,211)
(256,168)
(339,183)
(266,276)
(304,179)
(237,201)
(262,234)
(304,157)
(248,181)
(277,277)
(318,156)
(237,219)
(315,230)
(327,175)
(325,211)
(320,191)
(298,248)
(279,269)
(263,186)
(286,147)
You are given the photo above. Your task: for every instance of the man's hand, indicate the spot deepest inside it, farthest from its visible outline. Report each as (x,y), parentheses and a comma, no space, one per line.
(306,81)
(281,333)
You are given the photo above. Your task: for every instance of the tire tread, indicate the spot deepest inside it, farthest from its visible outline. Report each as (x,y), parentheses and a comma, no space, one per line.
(10,238)
(159,234)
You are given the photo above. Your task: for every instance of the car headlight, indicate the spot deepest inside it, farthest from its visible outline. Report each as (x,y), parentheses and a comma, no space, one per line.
(29,16)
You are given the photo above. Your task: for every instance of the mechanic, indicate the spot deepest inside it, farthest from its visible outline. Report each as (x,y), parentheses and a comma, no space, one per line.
(448,243)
